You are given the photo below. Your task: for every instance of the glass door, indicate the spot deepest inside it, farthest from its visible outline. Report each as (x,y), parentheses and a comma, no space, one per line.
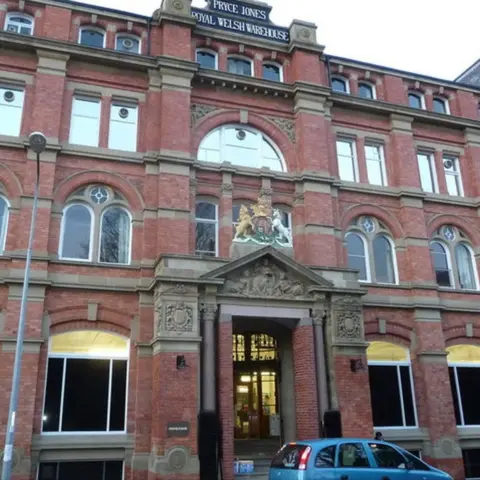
(247,414)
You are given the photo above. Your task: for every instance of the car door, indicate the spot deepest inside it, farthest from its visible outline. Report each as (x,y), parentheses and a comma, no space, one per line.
(323,467)
(352,461)
(389,463)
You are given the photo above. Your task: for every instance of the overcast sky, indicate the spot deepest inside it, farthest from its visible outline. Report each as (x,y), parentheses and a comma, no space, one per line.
(432,37)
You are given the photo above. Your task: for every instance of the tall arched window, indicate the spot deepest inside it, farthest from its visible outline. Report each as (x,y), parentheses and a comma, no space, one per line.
(206,228)
(453,259)
(242,146)
(86,388)
(391,386)
(371,251)
(96,226)
(464,367)
(4,214)
(16,22)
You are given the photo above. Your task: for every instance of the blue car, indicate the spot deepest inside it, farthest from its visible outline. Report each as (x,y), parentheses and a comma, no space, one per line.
(349,459)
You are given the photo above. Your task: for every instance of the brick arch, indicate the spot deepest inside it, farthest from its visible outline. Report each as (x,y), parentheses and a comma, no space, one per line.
(99,25)
(456,336)
(224,117)
(77,180)
(28,10)
(372,210)
(12,184)
(459,222)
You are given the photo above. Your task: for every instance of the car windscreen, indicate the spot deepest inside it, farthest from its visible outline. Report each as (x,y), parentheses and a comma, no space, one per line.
(289,457)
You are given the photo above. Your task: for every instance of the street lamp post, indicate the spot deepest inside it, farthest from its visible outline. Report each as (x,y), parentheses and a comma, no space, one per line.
(37,143)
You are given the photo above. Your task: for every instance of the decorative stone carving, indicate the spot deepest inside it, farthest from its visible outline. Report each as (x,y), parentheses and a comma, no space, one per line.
(348,319)
(319,317)
(177,459)
(287,126)
(209,311)
(266,192)
(227,188)
(197,112)
(178,318)
(180,289)
(265,279)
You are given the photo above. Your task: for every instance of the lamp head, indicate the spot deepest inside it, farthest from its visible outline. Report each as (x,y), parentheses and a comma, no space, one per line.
(37,142)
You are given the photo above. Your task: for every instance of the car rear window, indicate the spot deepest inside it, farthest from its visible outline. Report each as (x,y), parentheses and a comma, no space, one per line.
(289,457)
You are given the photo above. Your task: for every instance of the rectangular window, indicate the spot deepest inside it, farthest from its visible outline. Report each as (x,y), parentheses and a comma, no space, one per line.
(375,165)
(471,461)
(109,470)
(206,229)
(465,384)
(347,161)
(85,395)
(85,123)
(392,396)
(452,176)
(11,111)
(123,128)
(426,168)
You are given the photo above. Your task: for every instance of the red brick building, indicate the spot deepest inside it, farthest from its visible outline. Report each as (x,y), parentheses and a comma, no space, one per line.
(231,221)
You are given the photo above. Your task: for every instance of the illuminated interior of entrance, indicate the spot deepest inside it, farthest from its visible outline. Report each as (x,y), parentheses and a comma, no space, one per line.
(255,360)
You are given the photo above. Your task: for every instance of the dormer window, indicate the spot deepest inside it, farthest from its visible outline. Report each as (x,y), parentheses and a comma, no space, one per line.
(127,43)
(415,100)
(366,90)
(92,37)
(207,59)
(19,23)
(340,84)
(440,105)
(272,71)
(240,66)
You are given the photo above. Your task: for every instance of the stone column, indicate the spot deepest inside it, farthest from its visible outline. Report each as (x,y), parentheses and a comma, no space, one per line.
(208,357)
(318,319)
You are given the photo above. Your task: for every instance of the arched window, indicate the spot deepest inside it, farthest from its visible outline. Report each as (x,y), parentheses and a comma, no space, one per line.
(464,367)
(207,58)
(440,105)
(371,251)
(340,84)
(127,43)
(240,66)
(206,228)
(366,90)
(19,23)
(86,388)
(272,71)
(92,37)
(96,226)
(416,100)
(242,146)
(453,259)
(4,214)
(391,386)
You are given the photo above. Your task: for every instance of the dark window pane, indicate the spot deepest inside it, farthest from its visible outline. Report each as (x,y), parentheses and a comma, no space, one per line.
(47,471)
(453,385)
(383,259)
(414,101)
(128,44)
(206,60)
(113,470)
(385,394)
(271,72)
(240,67)
(86,395)
(51,412)
(356,255)
(206,211)
(471,460)
(439,106)
(115,236)
(118,398)
(407,396)
(76,233)
(440,264)
(289,457)
(92,38)
(353,455)
(365,91)
(413,456)
(326,458)
(386,456)
(469,383)
(339,85)
(205,238)
(110,470)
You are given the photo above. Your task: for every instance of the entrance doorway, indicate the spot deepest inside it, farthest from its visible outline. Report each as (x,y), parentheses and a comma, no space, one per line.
(256,386)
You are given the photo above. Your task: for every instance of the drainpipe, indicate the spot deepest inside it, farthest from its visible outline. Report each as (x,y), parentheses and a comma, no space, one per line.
(149,29)
(329,78)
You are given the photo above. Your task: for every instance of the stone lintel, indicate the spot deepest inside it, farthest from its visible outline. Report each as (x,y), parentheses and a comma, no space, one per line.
(30,345)
(176,345)
(349,349)
(401,123)
(427,315)
(433,356)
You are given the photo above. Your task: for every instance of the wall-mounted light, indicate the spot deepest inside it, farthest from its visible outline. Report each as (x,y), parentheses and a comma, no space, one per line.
(356,365)
(181,362)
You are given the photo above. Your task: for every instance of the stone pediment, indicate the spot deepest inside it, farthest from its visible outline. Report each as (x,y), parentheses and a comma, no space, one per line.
(268,273)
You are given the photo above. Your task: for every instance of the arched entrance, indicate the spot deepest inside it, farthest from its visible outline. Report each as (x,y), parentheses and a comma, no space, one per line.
(256,386)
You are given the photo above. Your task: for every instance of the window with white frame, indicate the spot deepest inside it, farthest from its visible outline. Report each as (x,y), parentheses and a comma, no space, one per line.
(453,259)
(11,110)
(92,37)
(471,462)
(427,172)
(375,159)
(464,367)
(85,121)
(391,386)
(453,177)
(242,146)
(340,84)
(127,43)
(75,470)
(440,105)
(240,66)
(206,228)
(96,226)
(86,389)
(416,100)
(366,90)
(207,58)
(272,71)
(371,251)
(4,214)
(19,23)
(122,134)
(347,160)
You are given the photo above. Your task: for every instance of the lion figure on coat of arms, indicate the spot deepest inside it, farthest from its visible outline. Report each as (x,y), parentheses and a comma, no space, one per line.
(245,225)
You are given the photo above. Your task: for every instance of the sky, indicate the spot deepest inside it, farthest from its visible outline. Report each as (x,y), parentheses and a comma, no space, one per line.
(438,38)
